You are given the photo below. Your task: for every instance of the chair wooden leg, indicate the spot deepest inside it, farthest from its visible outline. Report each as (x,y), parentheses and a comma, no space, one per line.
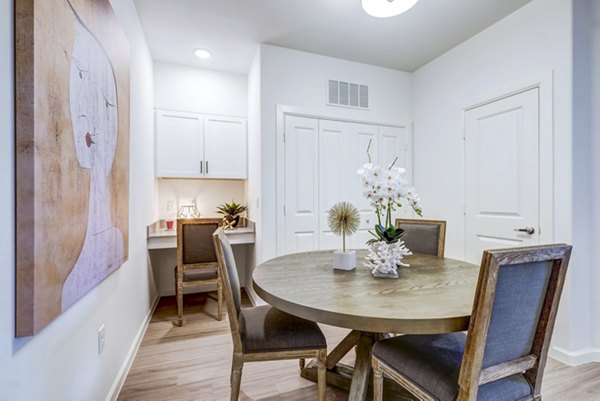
(236,376)
(377,380)
(321,373)
(302,363)
(219,300)
(179,296)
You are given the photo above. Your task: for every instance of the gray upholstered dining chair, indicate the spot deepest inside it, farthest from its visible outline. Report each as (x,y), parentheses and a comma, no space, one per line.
(503,355)
(263,333)
(424,236)
(196,260)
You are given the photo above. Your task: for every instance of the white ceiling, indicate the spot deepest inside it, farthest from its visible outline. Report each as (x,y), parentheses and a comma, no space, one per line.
(231,29)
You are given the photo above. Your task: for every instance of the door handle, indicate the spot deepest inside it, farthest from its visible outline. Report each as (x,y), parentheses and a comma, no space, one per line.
(201,164)
(207,167)
(528,230)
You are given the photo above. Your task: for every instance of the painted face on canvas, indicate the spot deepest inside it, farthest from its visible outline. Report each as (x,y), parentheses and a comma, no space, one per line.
(93,103)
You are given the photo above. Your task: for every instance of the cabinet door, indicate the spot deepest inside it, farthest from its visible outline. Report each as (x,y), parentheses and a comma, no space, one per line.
(179,144)
(225,147)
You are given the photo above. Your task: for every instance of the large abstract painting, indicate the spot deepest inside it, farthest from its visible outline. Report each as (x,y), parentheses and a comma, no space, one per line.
(72,154)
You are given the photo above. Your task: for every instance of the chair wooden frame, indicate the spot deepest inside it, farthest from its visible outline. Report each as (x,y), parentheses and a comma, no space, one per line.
(440,223)
(239,357)
(180,285)
(471,373)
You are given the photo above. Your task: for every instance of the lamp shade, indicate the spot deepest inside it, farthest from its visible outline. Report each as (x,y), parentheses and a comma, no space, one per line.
(387,8)
(188,212)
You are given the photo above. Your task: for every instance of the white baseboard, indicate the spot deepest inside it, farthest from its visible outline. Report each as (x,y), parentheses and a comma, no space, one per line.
(574,358)
(120,379)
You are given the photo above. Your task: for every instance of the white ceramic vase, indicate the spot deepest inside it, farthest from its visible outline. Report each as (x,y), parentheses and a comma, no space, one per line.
(344,260)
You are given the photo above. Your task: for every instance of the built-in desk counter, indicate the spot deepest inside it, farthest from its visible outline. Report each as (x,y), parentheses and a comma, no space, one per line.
(162,246)
(161,238)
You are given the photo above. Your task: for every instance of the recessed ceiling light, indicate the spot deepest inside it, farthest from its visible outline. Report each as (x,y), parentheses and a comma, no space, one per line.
(204,54)
(387,8)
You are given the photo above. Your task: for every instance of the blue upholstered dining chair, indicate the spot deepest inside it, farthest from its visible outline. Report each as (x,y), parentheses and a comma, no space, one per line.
(502,358)
(263,333)
(424,236)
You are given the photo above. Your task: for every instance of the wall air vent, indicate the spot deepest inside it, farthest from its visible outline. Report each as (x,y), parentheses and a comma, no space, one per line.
(348,94)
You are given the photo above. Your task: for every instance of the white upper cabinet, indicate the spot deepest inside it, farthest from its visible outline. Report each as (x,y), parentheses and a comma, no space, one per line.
(190,145)
(225,147)
(179,144)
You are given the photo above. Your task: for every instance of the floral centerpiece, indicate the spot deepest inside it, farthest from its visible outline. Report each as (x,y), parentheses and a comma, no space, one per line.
(386,189)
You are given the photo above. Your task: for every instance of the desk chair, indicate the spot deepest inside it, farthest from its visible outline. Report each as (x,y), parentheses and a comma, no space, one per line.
(502,358)
(424,236)
(196,260)
(264,333)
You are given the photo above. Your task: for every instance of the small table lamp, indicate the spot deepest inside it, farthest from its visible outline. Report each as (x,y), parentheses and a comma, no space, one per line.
(188,212)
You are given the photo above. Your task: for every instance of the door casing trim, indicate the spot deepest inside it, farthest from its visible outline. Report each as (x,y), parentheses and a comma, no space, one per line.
(543,81)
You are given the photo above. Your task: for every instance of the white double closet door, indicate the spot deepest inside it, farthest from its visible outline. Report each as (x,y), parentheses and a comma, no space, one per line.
(321,159)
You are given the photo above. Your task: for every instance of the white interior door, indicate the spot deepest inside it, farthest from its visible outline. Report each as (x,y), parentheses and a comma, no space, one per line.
(335,175)
(363,134)
(225,147)
(502,174)
(394,143)
(301,184)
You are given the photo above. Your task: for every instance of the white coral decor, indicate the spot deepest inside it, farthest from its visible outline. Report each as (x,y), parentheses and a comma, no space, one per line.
(385,258)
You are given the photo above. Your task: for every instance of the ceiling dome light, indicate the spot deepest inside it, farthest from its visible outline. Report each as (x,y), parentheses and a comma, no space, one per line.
(204,54)
(387,8)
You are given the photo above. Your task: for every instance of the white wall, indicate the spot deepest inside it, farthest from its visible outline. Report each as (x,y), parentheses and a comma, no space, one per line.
(254,154)
(295,78)
(595,169)
(535,39)
(62,362)
(586,150)
(208,194)
(199,90)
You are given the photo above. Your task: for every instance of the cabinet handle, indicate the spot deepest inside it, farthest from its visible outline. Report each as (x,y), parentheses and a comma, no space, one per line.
(207,167)
(201,167)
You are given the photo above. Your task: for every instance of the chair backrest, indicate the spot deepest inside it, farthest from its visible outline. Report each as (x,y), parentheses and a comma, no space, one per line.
(424,236)
(195,245)
(514,310)
(231,284)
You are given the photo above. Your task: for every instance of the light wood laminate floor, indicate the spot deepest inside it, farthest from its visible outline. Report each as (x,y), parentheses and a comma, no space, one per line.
(193,363)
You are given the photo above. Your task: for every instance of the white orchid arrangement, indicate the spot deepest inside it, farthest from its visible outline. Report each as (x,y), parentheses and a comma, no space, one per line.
(386,189)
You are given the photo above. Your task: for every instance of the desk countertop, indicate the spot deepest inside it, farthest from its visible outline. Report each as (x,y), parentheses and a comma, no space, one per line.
(161,238)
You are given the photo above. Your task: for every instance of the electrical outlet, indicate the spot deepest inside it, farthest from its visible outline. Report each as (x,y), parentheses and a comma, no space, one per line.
(101,339)
(170,206)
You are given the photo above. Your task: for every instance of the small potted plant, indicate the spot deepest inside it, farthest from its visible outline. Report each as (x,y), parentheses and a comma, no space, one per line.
(343,219)
(231,212)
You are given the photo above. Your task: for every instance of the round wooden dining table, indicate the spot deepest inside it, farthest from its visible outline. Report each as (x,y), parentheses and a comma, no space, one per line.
(432,295)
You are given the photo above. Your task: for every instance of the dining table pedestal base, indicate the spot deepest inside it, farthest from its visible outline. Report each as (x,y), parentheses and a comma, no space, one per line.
(358,379)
